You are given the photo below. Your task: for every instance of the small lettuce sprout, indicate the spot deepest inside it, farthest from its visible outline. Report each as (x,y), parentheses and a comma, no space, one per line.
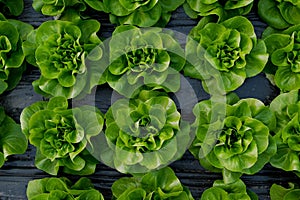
(62,188)
(279,14)
(222,191)
(284,62)
(286,107)
(224,54)
(62,136)
(221,9)
(161,184)
(12,58)
(12,140)
(61,50)
(236,141)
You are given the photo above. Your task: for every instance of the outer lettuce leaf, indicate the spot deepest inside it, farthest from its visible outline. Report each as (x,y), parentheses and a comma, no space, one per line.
(143,13)
(12,58)
(278,192)
(286,107)
(160,184)
(65,52)
(11,7)
(61,135)
(144,57)
(279,14)
(236,142)
(224,54)
(62,188)
(152,137)
(222,10)
(222,191)
(60,8)
(284,63)
(12,140)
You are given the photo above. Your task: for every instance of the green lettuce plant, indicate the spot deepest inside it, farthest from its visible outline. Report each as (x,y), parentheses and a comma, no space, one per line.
(234,137)
(61,50)
(143,133)
(222,191)
(11,7)
(161,184)
(220,9)
(12,58)
(62,188)
(284,62)
(144,57)
(62,136)
(286,107)
(224,54)
(12,140)
(142,13)
(278,192)
(59,8)
(279,14)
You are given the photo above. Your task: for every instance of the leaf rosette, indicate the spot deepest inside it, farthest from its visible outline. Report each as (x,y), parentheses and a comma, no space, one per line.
(12,58)
(144,57)
(279,14)
(284,63)
(142,13)
(160,184)
(12,140)
(61,50)
(286,107)
(224,54)
(62,188)
(11,7)
(220,9)
(143,134)
(236,142)
(62,136)
(222,191)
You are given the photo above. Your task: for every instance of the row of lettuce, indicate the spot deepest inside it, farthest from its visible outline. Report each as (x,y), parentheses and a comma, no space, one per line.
(279,14)
(229,135)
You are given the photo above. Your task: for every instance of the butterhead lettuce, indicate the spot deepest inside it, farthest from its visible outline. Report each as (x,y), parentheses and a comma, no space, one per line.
(286,107)
(62,188)
(144,133)
(148,57)
(221,9)
(234,142)
(224,54)
(12,58)
(160,184)
(279,14)
(61,135)
(284,63)
(142,13)
(60,50)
